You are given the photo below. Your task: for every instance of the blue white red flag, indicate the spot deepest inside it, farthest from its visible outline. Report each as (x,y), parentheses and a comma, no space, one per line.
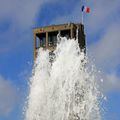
(85,9)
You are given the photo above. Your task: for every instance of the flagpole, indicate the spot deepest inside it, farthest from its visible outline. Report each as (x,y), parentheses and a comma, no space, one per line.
(82,18)
(82,7)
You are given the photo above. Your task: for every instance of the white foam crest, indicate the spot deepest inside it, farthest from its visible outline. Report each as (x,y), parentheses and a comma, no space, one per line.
(65,90)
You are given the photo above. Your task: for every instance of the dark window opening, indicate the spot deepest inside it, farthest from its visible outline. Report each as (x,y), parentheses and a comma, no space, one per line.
(42,38)
(52,38)
(37,42)
(65,33)
(75,33)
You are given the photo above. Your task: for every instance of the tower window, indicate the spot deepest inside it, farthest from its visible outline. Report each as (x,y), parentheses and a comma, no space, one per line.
(52,38)
(42,38)
(37,42)
(65,33)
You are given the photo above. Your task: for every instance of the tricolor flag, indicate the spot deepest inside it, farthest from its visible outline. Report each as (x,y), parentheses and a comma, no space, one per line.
(85,9)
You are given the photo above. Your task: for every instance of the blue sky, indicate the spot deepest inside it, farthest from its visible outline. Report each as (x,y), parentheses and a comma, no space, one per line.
(18,18)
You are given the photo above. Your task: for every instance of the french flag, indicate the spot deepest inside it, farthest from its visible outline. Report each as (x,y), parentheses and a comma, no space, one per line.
(85,9)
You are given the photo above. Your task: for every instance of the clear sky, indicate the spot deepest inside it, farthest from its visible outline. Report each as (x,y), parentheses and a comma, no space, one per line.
(19,17)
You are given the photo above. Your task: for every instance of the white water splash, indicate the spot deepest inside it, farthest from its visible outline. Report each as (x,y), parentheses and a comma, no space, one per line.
(65,90)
